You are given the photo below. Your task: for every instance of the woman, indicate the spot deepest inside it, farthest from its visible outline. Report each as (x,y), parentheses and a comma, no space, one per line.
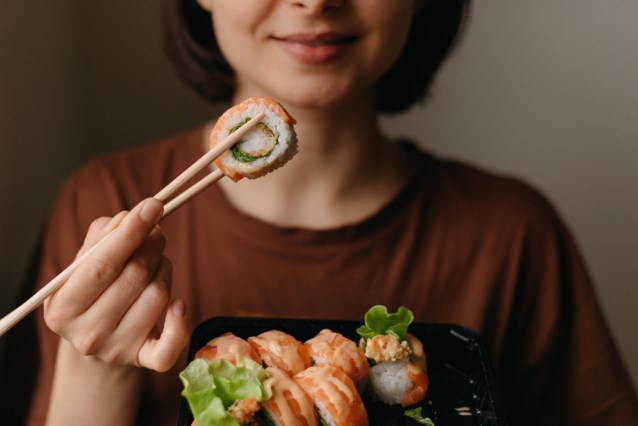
(354,220)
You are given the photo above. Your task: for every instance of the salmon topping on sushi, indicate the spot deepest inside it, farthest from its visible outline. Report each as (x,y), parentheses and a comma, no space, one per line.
(281,350)
(228,347)
(416,347)
(334,395)
(419,384)
(289,405)
(335,349)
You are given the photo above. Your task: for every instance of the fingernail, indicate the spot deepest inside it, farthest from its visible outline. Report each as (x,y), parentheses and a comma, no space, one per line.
(179,309)
(151,211)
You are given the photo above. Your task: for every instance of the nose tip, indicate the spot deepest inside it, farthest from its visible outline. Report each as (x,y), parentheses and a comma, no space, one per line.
(317,7)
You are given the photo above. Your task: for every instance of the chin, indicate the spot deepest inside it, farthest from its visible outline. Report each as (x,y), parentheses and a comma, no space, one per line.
(319,98)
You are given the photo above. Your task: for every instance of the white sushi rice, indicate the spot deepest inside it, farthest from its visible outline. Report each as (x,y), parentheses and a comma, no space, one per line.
(283,151)
(324,413)
(389,381)
(317,360)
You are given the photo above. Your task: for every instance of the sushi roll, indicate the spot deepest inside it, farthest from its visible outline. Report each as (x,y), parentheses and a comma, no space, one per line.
(335,349)
(281,350)
(289,405)
(264,148)
(228,347)
(398,374)
(334,396)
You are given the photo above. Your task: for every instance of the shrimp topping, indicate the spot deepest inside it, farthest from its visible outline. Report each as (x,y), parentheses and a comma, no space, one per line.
(387,348)
(244,410)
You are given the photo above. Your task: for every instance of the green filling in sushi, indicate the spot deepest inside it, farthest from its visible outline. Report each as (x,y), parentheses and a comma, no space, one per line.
(256,145)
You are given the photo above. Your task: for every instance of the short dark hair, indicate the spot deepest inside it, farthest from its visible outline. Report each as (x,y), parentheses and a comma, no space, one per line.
(189,41)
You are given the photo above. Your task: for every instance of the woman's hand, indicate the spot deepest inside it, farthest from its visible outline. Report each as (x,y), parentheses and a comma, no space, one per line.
(109,308)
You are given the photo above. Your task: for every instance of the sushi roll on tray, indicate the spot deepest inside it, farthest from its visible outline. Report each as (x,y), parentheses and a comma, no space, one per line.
(398,372)
(334,395)
(329,347)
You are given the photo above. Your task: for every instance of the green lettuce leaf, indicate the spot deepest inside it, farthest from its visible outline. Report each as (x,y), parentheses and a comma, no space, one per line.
(212,387)
(416,415)
(379,322)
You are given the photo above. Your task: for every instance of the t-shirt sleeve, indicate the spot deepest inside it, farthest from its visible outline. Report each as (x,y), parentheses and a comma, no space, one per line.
(562,365)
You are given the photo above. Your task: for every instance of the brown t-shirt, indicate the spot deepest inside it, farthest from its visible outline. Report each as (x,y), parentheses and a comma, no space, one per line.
(456,245)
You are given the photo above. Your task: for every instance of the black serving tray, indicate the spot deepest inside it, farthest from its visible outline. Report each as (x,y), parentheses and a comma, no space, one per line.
(463,389)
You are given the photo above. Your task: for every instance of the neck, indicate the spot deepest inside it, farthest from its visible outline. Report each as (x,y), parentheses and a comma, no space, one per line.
(346,169)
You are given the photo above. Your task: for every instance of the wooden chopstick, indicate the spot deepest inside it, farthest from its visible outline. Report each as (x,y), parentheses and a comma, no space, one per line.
(206,159)
(11,319)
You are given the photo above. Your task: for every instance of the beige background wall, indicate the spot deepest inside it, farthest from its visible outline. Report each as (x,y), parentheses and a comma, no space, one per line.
(544,90)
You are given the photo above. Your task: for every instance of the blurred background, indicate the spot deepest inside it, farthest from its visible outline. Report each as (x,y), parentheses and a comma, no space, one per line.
(546,91)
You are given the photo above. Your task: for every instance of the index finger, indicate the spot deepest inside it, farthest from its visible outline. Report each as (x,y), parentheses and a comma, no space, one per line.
(103,227)
(104,265)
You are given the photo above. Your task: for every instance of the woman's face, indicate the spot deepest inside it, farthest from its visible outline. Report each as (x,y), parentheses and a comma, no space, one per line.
(310,53)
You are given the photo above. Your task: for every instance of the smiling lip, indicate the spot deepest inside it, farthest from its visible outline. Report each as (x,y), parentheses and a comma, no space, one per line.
(315,48)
